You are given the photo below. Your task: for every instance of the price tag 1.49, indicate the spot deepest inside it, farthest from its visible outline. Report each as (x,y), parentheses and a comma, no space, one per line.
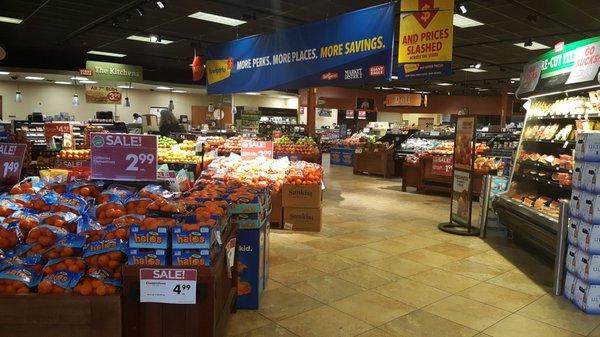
(11,162)
(165,285)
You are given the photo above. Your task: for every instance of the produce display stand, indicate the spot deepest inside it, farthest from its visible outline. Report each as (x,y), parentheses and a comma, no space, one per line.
(343,156)
(421,176)
(411,176)
(216,293)
(375,159)
(29,315)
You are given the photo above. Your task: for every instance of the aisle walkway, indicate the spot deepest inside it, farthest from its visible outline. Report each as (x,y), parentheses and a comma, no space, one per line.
(380,267)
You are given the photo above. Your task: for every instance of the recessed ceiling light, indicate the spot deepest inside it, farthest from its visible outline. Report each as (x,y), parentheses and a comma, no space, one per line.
(104,53)
(534,45)
(474,70)
(394,77)
(160,4)
(478,65)
(125,86)
(149,39)
(61,82)
(252,93)
(515,79)
(482,89)
(34,78)
(10,20)
(444,84)
(163,88)
(88,82)
(180,91)
(463,7)
(217,18)
(386,88)
(4,72)
(403,88)
(79,78)
(464,22)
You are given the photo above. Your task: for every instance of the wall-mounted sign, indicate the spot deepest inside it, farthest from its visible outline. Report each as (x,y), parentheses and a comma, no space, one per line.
(365,103)
(362,114)
(350,49)
(114,72)
(426,34)
(349,114)
(86,72)
(102,94)
(403,100)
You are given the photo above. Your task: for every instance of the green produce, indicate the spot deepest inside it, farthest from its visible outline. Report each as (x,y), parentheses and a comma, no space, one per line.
(285,140)
(165,142)
(306,141)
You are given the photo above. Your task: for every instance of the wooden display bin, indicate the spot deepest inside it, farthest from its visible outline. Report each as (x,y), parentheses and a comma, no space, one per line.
(374,159)
(434,182)
(215,301)
(60,315)
(411,175)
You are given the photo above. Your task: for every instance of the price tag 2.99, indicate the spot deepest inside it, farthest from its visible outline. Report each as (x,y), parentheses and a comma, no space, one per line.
(166,285)
(117,156)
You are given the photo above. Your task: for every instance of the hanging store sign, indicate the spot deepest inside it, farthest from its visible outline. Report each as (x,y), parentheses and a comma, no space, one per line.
(102,94)
(426,35)
(362,114)
(403,100)
(350,49)
(575,65)
(114,72)
(349,114)
(11,163)
(127,157)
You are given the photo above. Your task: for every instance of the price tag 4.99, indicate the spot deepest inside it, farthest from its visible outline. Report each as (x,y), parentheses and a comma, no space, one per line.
(162,285)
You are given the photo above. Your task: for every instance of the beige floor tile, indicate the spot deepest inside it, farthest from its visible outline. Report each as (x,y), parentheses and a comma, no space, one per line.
(519,326)
(327,288)
(467,312)
(361,254)
(413,242)
(244,321)
(518,281)
(372,307)
(367,277)
(498,297)
(413,293)
(335,229)
(559,312)
(482,335)
(474,270)
(444,280)
(375,333)
(399,266)
(360,237)
(328,263)
(328,244)
(325,321)
(428,257)
(284,302)
(294,251)
(292,272)
(472,242)
(271,330)
(277,259)
(389,246)
(494,259)
(454,250)
(437,235)
(272,284)
(423,324)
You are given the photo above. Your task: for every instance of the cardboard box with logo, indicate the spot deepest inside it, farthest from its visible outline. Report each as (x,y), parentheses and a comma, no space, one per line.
(302,207)
(251,267)
(309,196)
(302,219)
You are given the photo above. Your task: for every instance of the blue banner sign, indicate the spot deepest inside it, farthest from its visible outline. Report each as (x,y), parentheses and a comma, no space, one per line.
(350,49)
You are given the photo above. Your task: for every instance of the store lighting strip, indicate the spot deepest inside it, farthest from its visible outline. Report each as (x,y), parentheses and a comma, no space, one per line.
(252,93)
(464,22)
(105,53)
(88,82)
(7,19)
(61,82)
(148,39)
(34,78)
(125,86)
(217,19)
(4,72)
(163,88)
(474,70)
(534,45)
(180,91)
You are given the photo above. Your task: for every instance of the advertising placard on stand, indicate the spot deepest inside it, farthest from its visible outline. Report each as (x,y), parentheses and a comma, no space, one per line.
(127,157)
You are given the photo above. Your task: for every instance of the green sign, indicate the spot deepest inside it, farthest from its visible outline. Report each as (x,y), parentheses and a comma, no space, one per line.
(556,63)
(114,72)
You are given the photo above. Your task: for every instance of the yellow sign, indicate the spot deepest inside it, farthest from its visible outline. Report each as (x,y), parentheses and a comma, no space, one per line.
(218,70)
(426,34)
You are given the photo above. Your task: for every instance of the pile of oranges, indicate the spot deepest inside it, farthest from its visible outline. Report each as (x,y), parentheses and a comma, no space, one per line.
(110,262)
(107,212)
(72,264)
(138,206)
(74,154)
(13,287)
(91,286)
(8,238)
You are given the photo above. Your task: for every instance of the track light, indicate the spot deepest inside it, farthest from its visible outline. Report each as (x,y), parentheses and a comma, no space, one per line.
(153,38)
(139,11)
(478,65)
(75,100)
(160,4)
(463,7)
(528,43)
(127,104)
(18,97)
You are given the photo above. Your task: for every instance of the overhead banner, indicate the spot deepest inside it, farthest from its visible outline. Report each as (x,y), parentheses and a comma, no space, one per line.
(350,49)
(426,35)
(575,64)
(102,94)
(114,72)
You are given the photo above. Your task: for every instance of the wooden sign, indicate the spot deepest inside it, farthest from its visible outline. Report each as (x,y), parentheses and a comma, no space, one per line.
(403,100)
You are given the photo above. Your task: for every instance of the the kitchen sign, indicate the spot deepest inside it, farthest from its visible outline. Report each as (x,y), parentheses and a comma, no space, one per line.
(165,285)
(11,162)
(119,156)
(251,149)
(114,72)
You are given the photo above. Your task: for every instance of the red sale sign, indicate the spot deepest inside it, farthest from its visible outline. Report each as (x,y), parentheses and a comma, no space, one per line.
(56,129)
(119,156)
(251,149)
(11,162)
(441,166)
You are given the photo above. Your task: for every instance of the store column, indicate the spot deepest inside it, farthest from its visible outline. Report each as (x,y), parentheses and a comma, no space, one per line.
(311,103)
(503,105)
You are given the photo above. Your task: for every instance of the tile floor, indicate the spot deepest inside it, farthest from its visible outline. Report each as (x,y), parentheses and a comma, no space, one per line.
(380,267)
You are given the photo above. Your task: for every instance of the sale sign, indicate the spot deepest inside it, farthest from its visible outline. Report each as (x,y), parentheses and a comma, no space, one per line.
(441,166)
(11,162)
(251,149)
(57,130)
(70,163)
(119,156)
(165,285)
(102,94)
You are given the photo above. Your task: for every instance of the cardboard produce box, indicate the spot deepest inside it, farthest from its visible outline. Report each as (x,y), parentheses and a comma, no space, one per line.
(302,219)
(251,267)
(302,195)
(276,215)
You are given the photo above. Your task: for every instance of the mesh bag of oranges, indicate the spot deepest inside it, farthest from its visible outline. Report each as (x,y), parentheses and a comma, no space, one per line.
(121,191)
(59,188)
(90,229)
(119,228)
(59,282)
(39,202)
(106,254)
(66,220)
(18,280)
(33,262)
(29,185)
(97,283)
(105,213)
(72,264)
(161,205)
(70,245)
(135,205)
(85,188)
(8,207)
(26,219)
(43,237)
(70,202)
(10,235)
(155,192)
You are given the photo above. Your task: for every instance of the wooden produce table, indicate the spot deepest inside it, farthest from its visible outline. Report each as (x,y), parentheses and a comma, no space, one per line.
(411,175)
(374,159)
(430,181)
(216,294)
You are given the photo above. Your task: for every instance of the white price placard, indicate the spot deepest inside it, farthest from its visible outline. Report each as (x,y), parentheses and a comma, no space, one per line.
(162,285)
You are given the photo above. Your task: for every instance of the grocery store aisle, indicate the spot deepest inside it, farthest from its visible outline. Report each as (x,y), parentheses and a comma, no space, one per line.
(380,267)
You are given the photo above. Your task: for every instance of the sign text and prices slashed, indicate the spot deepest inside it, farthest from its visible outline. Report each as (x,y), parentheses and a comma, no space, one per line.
(129,157)
(251,149)
(174,286)
(11,162)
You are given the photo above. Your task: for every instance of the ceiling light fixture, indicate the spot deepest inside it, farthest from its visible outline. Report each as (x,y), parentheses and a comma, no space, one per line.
(79,78)
(4,72)
(252,93)
(163,88)
(125,86)
(394,77)
(474,70)
(18,97)
(478,65)
(531,45)
(151,39)
(403,88)
(171,105)
(34,78)
(180,91)
(75,100)
(386,88)
(139,11)
(217,19)
(61,82)
(160,4)
(105,53)
(515,79)
(88,82)
(528,43)
(464,22)
(127,104)
(444,84)
(463,7)
(7,19)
